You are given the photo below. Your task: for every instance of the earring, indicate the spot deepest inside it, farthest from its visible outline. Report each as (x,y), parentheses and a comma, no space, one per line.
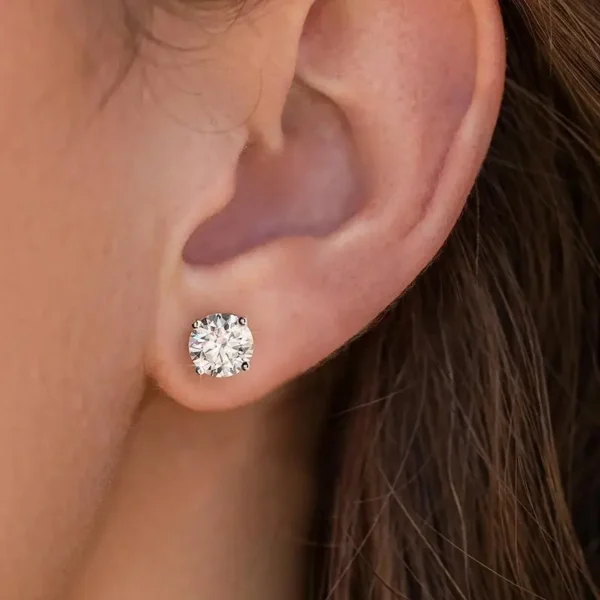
(221,345)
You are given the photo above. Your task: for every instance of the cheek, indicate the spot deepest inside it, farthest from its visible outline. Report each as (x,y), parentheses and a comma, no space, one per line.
(77,275)
(84,187)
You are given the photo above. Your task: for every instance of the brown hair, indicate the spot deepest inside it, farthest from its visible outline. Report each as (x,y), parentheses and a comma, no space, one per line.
(463,445)
(460,457)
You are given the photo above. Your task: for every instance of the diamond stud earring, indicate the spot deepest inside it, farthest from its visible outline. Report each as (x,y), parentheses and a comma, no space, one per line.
(221,345)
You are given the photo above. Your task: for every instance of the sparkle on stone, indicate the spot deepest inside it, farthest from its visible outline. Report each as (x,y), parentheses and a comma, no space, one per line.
(220,346)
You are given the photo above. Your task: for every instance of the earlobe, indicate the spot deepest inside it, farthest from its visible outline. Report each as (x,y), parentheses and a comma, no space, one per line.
(383,134)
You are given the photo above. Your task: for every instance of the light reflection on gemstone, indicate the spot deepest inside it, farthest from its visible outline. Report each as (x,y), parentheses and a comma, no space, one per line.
(221,345)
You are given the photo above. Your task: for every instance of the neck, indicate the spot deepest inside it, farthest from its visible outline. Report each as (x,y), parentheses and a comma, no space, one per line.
(209,506)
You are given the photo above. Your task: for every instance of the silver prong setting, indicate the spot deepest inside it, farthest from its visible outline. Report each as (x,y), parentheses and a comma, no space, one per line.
(221,345)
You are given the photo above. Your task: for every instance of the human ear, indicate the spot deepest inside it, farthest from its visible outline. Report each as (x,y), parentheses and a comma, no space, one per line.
(344,181)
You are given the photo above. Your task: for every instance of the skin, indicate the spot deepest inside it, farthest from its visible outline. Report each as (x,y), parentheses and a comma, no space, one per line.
(123,475)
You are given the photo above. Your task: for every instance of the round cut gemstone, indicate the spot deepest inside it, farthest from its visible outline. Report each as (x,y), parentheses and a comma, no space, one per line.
(221,345)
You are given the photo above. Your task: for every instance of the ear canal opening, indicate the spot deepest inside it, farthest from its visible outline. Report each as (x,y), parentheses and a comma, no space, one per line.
(310,188)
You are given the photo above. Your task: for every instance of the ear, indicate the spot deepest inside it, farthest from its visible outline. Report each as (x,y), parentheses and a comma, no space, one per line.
(371,124)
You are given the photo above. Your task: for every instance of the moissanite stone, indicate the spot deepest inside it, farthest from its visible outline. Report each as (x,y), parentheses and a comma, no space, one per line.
(221,345)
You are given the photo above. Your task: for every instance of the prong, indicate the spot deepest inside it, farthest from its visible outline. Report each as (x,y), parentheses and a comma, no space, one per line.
(196,324)
(199,372)
(245,366)
(243,321)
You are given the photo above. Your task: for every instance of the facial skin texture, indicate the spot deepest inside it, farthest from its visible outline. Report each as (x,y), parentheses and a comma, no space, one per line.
(122,474)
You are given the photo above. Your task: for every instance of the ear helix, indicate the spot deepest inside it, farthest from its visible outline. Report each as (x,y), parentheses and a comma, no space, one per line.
(221,345)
